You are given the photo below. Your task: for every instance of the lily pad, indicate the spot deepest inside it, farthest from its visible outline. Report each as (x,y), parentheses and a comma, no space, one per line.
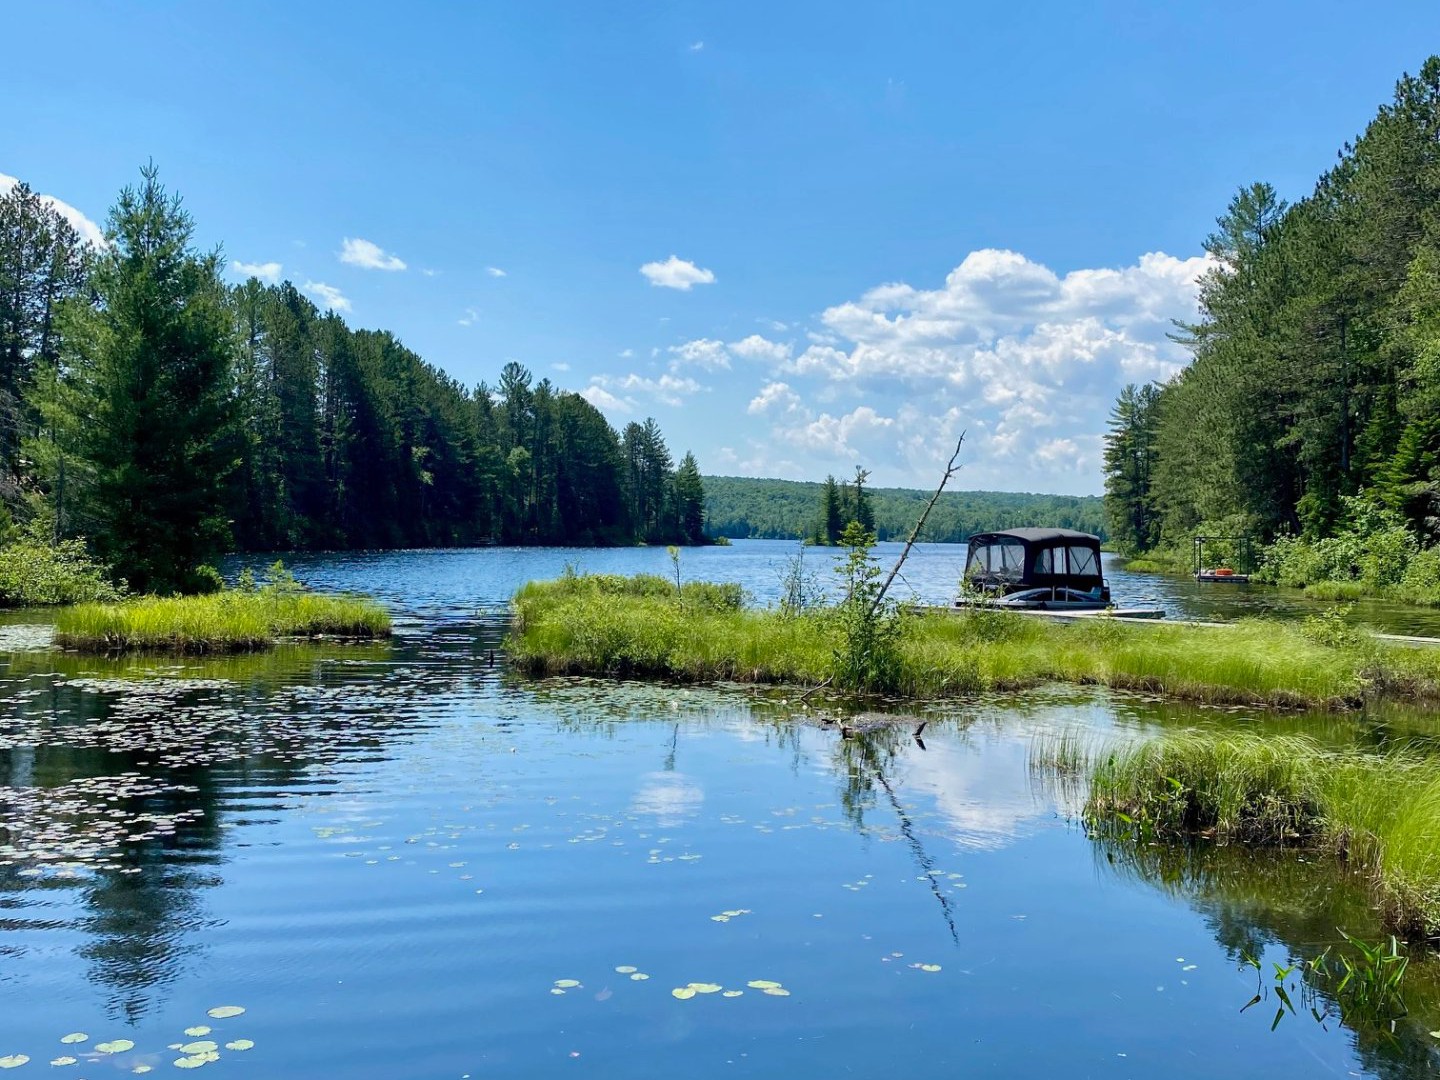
(204,1046)
(240,1044)
(557,990)
(142,1068)
(13,1061)
(776,991)
(192,1062)
(224,1012)
(627,969)
(567,984)
(928,967)
(639,976)
(64,1059)
(682,992)
(74,1037)
(762,984)
(732,993)
(198,1030)
(705,988)
(115,1046)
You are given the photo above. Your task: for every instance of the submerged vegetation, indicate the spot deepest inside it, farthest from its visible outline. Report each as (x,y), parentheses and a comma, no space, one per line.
(1377,812)
(631,627)
(231,620)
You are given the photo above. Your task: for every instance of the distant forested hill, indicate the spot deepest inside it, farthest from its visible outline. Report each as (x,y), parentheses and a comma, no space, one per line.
(738,506)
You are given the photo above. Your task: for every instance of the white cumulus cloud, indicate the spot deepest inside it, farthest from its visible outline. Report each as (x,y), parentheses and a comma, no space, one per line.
(329,296)
(368,256)
(668,389)
(495,271)
(88,230)
(774,397)
(605,401)
(676,273)
(704,353)
(266,271)
(1026,360)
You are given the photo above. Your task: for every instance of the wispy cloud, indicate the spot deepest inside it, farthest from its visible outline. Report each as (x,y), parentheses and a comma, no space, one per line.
(470,318)
(677,273)
(328,295)
(495,271)
(267,271)
(668,389)
(368,256)
(697,46)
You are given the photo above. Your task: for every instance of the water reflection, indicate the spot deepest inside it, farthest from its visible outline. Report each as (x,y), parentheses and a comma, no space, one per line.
(1284,907)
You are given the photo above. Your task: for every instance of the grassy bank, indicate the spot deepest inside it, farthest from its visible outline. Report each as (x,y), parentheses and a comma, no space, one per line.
(602,625)
(1380,813)
(230,621)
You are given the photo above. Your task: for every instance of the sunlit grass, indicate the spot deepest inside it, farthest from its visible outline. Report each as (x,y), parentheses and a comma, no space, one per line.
(1380,812)
(574,626)
(230,621)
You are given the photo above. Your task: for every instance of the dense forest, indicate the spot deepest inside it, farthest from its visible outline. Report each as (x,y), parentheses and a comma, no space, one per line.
(167,417)
(1310,412)
(739,507)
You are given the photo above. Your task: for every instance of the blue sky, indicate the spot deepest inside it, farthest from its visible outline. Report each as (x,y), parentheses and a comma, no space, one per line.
(866,228)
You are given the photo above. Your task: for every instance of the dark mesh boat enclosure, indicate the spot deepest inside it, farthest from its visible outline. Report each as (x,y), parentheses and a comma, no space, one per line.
(1016,559)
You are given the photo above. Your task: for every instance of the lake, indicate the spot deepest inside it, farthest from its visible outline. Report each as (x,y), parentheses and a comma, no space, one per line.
(401,861)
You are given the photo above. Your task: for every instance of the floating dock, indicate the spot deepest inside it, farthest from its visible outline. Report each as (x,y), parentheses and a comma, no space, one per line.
(1146,613)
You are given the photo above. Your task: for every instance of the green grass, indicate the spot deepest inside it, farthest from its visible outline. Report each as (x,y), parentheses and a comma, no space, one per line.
(583,625)
(1379,812)
(1158,562)
(229,621)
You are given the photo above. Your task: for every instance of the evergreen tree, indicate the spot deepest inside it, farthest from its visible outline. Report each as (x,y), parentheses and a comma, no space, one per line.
(147,407)
(42,263)
(1129,466)
(832,521)
(690,501)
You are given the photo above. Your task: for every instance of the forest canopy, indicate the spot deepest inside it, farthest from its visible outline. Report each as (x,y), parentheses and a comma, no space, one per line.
(740,507)
(168,416)
(1311,407)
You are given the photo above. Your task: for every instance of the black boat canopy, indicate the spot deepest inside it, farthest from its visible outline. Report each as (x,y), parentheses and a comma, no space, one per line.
(1034,558)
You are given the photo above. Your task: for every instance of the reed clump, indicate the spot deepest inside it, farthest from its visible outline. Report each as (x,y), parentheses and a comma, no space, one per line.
(606,625)
(1378,812)
(233,620)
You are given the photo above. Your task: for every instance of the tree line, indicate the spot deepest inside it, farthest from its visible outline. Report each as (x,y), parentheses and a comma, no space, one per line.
(740,507)
(168,417)
(1311,403)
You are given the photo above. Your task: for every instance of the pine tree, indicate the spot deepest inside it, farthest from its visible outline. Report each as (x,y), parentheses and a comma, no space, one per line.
(690,501)
(832,521)
(147,394)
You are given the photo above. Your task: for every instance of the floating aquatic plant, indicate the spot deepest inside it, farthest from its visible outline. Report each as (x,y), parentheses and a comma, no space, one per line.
(223,1012)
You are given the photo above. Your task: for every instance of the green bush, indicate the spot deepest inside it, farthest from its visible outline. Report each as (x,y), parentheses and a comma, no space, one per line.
(34,573)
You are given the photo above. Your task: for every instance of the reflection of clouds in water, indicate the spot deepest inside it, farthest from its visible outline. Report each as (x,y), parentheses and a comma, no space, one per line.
(670,796)
(984,795)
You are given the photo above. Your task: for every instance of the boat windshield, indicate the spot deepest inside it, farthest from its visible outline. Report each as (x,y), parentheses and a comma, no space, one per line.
(1001,559)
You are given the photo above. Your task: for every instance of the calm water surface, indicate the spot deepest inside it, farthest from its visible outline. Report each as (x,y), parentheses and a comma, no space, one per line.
(400,861)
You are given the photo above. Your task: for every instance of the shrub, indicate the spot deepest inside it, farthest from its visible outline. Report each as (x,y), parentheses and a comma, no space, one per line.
(33,573)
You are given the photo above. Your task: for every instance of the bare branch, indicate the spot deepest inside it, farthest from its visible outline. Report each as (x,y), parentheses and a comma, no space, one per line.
(950,470)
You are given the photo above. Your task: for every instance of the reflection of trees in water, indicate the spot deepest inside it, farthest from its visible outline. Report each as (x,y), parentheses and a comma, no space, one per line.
(867,758)
(145,786)
(1294,900)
